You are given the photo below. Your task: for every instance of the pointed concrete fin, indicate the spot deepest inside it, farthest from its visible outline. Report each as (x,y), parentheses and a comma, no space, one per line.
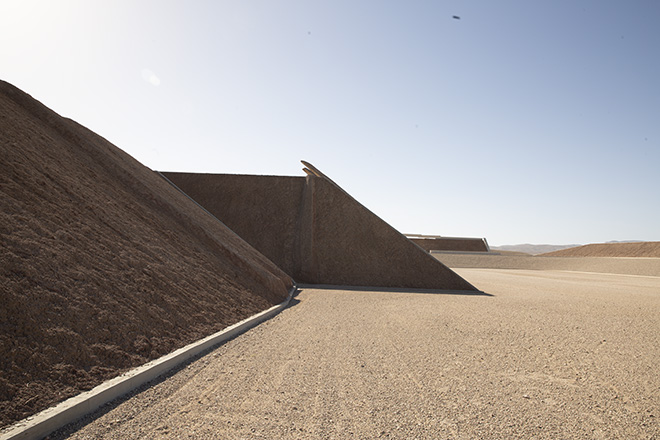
(313,169)
(316,172)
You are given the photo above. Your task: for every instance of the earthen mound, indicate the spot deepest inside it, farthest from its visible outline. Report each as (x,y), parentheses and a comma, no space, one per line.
(646,249)
(103,265)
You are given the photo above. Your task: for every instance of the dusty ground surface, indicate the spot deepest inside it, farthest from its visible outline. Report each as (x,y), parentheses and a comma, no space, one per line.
(620,265)
(646,249)
(549,355)
(103,265)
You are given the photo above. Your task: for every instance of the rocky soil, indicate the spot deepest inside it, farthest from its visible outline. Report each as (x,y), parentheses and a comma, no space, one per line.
(103,265)
(550,355)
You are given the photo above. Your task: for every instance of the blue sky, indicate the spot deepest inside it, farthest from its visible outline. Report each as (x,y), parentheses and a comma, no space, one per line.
(524,121)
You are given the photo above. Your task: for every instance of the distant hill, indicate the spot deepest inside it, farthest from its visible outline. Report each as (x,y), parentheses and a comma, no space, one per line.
(533,249)
(644,249)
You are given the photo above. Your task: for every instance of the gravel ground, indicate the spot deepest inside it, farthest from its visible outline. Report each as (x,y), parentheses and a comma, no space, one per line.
(549,355)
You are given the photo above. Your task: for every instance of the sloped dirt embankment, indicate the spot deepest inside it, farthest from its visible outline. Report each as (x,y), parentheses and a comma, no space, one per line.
(103,265)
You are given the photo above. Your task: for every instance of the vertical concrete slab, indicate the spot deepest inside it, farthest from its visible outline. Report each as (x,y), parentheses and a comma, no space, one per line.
(263,210)
(353,246)
(458,244)
(316,232)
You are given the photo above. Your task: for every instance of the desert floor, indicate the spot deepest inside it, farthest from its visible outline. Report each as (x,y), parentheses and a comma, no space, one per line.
(620,265)
(546,354)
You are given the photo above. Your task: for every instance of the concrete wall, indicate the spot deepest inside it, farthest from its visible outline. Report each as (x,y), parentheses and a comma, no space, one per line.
(263,210)
(460,244)
(316,232)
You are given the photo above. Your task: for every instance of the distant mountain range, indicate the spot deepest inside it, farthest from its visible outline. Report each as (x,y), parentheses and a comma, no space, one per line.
(533,249)
(536,249)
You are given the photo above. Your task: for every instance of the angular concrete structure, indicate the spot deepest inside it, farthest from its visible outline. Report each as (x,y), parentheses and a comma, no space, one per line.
(449,244)
(316,232)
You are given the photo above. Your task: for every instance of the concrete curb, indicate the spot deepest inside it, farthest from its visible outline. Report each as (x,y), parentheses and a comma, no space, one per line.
(41,424)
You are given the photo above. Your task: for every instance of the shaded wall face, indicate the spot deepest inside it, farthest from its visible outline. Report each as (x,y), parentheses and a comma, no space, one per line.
(451,244)
(263,210)
(316,232)
(344,243)
(350,245)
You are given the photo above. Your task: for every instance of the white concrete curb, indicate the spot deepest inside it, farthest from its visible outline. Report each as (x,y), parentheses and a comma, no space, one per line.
(40,425)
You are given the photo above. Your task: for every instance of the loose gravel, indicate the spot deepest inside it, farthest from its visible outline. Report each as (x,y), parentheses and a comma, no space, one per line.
(548,355)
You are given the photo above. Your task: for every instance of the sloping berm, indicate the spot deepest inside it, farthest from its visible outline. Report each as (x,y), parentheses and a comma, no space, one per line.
(316,232)
(103,265)
(642,249)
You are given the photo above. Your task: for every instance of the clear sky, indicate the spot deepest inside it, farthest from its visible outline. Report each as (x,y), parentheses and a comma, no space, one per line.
(522,121)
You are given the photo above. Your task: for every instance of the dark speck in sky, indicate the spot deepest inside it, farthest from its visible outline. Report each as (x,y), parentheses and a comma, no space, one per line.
(456,17)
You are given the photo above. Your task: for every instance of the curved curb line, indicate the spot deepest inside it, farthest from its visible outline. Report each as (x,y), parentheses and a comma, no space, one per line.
(41,424)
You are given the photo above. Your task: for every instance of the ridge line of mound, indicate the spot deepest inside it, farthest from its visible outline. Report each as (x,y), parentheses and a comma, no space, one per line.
(645,249)
(103,265)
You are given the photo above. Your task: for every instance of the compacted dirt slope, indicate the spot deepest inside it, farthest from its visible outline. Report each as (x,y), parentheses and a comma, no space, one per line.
(103,265)
(646,249)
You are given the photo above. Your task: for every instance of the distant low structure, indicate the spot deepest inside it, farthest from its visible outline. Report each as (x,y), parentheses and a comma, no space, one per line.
(315,231)
(432,243)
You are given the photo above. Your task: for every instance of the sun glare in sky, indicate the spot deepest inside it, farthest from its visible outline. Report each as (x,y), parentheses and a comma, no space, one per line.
(150,77)
(519,122)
